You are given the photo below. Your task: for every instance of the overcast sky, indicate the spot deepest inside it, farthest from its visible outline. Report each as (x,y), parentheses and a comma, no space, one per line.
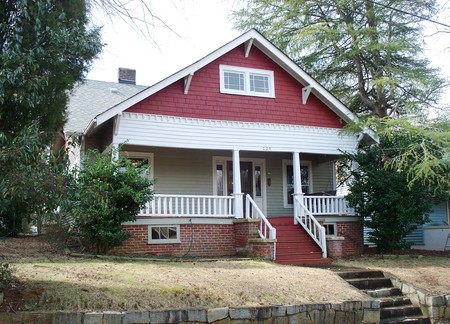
(200,27)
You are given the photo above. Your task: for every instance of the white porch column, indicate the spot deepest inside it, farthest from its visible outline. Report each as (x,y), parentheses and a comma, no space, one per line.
(238,195)
(297,179)
(114,151)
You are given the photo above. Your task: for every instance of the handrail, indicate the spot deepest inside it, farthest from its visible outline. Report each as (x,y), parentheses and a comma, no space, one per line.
(189,205)
(311,225)
(252,211)
(328,205)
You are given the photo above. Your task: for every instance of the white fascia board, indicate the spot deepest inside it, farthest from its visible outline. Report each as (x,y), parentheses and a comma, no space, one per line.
(101,118)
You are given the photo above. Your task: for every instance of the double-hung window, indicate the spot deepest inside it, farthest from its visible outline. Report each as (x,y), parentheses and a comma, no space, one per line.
(246,81)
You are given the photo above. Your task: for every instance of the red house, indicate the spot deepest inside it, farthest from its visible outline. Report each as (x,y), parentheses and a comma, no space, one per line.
(243,144)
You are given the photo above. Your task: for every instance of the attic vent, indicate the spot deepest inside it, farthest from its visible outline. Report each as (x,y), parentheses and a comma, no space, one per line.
(127,76)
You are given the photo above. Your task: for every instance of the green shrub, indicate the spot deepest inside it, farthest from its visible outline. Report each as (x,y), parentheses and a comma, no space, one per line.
(106,192)
(5,274)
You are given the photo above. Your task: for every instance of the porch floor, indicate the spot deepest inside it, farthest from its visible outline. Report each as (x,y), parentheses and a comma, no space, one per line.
(294,245)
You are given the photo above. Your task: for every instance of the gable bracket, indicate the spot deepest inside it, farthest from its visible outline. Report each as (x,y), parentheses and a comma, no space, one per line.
(305,93)
(116,123)
(248,47)
(187,82)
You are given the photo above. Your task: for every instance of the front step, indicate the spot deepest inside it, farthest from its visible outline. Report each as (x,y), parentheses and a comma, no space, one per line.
(370,283)
(410,320)
(394,307)
(295,246)
(400,311)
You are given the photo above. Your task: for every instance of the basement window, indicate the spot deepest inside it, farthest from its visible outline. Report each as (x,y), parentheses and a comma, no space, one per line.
(330,229)
(246,81)
(163,234)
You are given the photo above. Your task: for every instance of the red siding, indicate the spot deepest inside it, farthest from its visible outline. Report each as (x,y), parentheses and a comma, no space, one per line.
(204,99)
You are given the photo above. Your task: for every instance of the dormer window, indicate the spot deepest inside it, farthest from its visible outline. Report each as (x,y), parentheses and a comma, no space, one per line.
(246,82)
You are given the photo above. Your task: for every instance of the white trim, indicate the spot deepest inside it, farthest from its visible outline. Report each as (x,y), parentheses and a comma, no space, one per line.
(334,228)
(266,47)
(180,221)
(305,93)
(338,219)
(222,160)
(285,163)
(142,155)
(187,82)
(164,241)
(247,72)
(195,133)
(248,47)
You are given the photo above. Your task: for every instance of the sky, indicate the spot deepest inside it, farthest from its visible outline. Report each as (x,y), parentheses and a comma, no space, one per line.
(199,27)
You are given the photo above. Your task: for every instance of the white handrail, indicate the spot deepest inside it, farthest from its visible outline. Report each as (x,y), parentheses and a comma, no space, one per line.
(266,230)
(311,225)
(328,205)
(189,205)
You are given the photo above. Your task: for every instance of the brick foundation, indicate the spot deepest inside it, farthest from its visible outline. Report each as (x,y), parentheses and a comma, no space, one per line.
(352,232)
(204,240)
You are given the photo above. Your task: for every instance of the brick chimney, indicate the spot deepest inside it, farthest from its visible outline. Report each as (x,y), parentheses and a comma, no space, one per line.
(127,76)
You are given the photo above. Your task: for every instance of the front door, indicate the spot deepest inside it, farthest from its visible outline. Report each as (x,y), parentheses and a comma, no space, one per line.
(246,177)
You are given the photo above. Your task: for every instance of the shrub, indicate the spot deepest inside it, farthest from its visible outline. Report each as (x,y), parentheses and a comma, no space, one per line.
(107,192)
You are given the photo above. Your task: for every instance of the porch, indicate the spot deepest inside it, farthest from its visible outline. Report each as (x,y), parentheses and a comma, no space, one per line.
(216,189)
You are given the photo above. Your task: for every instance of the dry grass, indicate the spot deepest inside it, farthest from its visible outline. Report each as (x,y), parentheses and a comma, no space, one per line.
(428,272)
(87,284)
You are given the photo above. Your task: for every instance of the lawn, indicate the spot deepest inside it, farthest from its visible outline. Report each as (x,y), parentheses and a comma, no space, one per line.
(47,279)
(51,281)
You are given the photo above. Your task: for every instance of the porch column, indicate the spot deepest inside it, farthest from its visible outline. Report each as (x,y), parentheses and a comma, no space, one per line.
(297,179)
(115,151)
(238,195)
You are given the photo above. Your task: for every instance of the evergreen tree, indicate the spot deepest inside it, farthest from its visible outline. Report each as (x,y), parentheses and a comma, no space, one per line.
(368,55)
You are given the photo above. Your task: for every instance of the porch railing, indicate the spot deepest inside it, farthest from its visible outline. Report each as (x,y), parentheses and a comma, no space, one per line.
(266,230)
(189,205)
(328,205)
(305,218)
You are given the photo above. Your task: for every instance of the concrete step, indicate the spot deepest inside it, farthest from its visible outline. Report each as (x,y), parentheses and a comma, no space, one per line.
(400,311)
(384,292)
(353,274)
(394,301)
(420,319)
(370,283)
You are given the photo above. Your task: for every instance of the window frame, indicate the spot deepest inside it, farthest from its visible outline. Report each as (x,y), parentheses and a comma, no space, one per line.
(325,224)
(285,163)
(142,155)
(247,72)
(163,241)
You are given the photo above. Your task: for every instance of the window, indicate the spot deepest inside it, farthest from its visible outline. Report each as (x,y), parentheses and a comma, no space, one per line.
(247,82)
(288,181)
(219,179)
(141,158)
(163,234)
(330,229)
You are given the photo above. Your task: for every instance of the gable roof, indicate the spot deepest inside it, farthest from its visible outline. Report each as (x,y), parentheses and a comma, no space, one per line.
(251,38)
(90,98)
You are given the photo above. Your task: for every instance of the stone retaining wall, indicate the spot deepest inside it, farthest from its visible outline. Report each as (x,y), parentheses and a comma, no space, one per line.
(346,312)
(435,307)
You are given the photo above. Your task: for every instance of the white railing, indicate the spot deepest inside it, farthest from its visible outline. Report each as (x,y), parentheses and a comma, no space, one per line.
(304,217)
(189,205)
(266,230)
(328,205)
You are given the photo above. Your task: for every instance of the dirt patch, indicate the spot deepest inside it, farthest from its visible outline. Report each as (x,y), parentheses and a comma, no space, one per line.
(90,284)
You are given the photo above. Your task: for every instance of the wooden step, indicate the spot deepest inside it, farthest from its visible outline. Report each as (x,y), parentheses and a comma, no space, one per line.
(305,262)
(302,255)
